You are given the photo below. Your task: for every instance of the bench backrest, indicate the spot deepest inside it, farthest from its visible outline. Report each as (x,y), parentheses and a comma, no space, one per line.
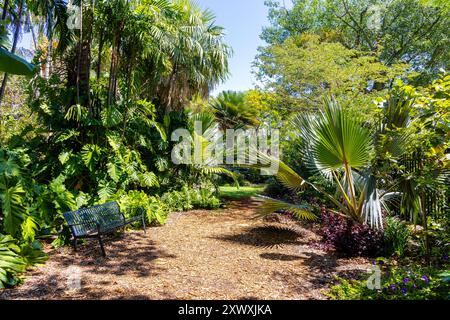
(84,221)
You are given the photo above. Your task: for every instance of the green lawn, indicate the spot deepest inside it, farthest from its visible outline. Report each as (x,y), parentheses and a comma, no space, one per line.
(235,193)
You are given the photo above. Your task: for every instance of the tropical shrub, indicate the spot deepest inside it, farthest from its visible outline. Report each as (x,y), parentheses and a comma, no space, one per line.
(350,238)
(189,198)
(15,257)
(155,209)
(396,236)
(337,146)
(10,261)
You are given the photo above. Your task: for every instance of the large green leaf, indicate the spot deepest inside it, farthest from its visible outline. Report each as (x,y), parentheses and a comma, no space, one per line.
(12,207)
(10,261)
(340,140)
(13,64)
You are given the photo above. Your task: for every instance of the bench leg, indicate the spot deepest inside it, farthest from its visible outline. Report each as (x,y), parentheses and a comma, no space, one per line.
(101,245)
(143,224)
(75,240)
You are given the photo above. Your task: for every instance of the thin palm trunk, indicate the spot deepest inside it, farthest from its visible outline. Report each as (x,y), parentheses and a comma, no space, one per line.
(85,57)
(14,47)
(99,57)
(33,33)
(112,91)
(5,9)
(50,44)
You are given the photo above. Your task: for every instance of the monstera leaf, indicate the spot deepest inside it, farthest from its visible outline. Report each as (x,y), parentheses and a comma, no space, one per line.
(13,64)
(10,261)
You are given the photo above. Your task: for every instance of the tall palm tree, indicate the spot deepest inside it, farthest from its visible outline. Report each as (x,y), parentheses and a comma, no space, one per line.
(197,54)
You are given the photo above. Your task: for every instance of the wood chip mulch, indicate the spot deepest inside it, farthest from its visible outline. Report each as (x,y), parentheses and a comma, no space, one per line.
(223,254)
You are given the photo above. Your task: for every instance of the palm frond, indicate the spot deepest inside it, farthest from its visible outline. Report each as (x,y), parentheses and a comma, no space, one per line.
(269,206)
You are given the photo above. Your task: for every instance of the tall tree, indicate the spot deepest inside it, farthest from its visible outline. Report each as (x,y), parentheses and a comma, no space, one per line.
(411,31)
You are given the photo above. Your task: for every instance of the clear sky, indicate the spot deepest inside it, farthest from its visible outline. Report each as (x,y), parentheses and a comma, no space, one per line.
(243,21)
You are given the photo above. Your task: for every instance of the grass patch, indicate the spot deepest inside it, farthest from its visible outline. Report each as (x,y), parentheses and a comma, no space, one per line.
(235,193)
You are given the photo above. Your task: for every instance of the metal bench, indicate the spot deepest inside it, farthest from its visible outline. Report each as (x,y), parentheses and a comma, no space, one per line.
(94,222)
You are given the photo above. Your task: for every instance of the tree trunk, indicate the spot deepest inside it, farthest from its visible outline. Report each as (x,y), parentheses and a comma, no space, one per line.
(99,57)
(5,9)
(84,66)
(112,90)
(49,69)
(14,46)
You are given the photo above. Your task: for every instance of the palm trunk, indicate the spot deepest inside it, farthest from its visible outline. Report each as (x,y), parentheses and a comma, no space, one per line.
(99,57)
(33,34)
(49,45)
(14,46)
(84,65)
(5,9)
(112,91)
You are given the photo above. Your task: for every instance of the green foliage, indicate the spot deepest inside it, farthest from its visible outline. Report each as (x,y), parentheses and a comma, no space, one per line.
(304,69)
(396,236)
(12,193)
(338,147)
(232,111)
(15,257)
(414,31)
(397,283)
(11,63)
(134,201)
(190,198)
(10,261)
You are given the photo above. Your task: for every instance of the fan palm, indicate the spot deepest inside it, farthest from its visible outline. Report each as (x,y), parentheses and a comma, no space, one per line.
(336,146)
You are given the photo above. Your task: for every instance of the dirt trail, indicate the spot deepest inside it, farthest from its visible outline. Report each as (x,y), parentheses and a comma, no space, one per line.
(223,254)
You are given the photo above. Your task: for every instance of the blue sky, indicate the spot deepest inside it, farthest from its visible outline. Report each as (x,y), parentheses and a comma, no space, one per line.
(243,21)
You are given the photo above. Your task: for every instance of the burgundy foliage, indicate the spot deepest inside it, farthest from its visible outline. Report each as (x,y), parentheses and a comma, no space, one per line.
(350,238)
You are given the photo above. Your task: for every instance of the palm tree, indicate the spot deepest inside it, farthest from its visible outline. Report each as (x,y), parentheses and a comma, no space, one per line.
(232,110)
(197,55)
(338,147)
(204,143)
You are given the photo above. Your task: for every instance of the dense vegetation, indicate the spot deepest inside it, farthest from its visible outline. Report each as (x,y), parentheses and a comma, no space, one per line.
(103,102)
(359,90)
(363,95)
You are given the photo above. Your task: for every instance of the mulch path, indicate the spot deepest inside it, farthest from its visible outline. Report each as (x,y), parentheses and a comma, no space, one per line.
(222,254)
